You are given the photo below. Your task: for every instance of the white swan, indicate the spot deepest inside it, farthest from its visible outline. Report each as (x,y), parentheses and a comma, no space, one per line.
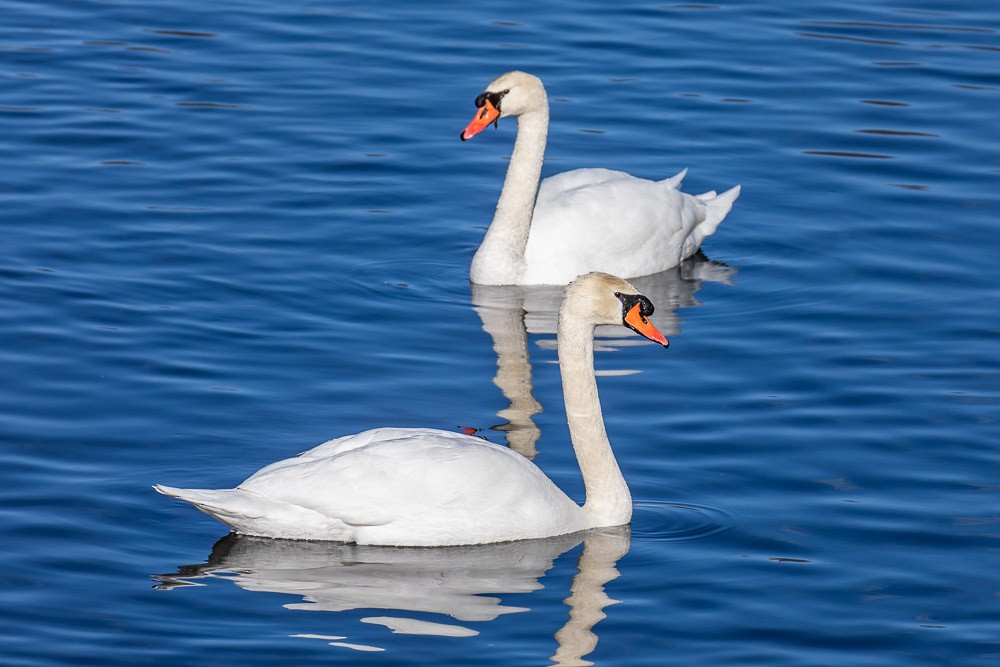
(581,220)
(426,487)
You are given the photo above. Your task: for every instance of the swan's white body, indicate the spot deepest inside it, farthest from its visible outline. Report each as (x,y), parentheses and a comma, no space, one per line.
(582,220)
(395,486)
(426,487)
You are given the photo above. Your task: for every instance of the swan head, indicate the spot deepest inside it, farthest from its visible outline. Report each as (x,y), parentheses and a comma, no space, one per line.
(511,94)
(599,298)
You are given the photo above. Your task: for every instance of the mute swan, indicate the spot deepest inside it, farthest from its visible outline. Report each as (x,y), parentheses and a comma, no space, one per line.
(426,487)
(581,220)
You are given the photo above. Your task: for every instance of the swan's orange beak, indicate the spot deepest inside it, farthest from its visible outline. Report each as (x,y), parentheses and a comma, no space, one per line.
(636,321)
(487,114)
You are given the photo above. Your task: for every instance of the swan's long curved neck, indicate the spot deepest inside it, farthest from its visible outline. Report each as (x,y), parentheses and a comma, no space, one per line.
(608,502)
(500,258)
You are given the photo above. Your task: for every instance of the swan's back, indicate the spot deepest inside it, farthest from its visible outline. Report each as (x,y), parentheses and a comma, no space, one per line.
(395,486)
(609,221)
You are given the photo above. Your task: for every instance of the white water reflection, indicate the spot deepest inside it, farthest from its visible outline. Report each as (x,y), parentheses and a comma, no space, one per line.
(510,313)
(461,584)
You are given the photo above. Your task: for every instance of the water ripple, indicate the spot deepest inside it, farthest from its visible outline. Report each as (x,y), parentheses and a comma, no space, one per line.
(664,521)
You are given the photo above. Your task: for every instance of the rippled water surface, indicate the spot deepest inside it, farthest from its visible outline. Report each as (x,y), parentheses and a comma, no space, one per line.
(232,231)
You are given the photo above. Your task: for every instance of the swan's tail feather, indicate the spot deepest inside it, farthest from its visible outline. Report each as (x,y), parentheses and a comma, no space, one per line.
(230,506)
(253,514)
(675,180)
(207,497)
(717,207)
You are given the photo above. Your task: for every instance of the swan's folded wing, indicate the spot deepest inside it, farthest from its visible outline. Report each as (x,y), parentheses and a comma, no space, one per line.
(409,478)
(620,225)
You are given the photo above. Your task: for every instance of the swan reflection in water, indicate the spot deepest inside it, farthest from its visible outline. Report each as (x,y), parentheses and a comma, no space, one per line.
(510,312)
(456,582)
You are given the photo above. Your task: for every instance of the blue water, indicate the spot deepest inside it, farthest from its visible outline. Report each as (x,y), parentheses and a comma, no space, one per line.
(233,231)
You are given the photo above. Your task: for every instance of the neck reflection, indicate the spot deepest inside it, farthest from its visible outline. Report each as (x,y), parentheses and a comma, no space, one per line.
(511,313)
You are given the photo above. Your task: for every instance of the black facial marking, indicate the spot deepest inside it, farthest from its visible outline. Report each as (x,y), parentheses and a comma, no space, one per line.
(630,300)
(494,99)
